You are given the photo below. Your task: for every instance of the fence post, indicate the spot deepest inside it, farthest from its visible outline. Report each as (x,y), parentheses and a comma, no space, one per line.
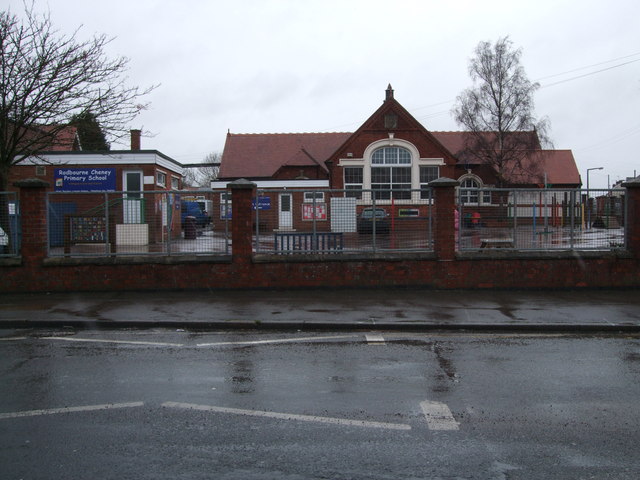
(33,216)
(444,236)
(242,193)
(632,218)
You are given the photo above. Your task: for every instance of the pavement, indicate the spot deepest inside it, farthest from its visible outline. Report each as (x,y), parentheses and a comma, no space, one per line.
(375,309)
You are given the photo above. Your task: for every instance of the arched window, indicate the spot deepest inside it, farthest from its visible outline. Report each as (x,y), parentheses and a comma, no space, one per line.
(470,191)
(391,173)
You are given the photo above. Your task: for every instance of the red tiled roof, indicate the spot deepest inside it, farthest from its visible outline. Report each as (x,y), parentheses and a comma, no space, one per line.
(260,155)
(559,166)
(455,142)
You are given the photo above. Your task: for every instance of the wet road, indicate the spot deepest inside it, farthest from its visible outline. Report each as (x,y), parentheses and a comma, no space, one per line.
(172,404)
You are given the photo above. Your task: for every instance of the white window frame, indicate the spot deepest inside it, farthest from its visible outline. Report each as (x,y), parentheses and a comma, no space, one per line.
(366,163)
(161,178)
(309,197)
(175,183)
(353,190)
(482,197)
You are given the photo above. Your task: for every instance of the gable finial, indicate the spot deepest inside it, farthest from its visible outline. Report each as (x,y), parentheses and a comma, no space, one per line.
(389,93)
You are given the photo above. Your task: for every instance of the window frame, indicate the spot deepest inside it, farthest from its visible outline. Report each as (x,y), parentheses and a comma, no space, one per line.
(161,179)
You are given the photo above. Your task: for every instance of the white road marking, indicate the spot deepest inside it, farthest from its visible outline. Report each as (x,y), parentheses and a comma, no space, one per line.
(375,339)
(438,415)
(289,416)
(85,408)
(7,339)
(277,340)
(126,342)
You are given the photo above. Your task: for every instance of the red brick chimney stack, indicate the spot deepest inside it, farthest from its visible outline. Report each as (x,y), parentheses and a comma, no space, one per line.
(135,140)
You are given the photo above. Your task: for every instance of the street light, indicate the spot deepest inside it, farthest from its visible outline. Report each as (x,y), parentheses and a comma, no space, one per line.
(588,198)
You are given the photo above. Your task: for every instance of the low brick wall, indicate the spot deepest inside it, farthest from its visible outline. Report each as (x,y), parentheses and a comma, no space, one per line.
(444,269)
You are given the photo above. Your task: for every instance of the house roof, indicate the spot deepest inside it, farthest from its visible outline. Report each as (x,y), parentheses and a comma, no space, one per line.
(559,166)
(261,155)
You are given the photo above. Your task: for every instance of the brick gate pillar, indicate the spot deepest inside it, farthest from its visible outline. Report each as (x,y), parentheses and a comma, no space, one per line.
(444,225)
(242,193)
(632,220)
(33,217)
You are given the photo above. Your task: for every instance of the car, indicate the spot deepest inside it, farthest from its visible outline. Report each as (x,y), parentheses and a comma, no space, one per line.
(193,209)
(373,219)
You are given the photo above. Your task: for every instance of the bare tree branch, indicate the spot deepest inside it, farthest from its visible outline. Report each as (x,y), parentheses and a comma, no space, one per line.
(497,111)
(47,78)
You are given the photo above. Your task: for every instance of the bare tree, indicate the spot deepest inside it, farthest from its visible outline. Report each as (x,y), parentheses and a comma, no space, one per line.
(498,112)
(201,175)
(47,78)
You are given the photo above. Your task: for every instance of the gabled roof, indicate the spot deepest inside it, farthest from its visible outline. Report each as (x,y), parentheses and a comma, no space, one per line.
(558,165)
(457,142)
(261,155)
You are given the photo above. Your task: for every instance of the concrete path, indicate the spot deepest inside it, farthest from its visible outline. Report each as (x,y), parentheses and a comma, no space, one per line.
(409,309)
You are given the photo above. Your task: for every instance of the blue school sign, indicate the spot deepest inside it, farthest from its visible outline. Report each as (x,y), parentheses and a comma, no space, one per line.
(84,179)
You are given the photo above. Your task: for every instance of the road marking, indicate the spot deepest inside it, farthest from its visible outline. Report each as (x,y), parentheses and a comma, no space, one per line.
(289,416)
(85,408)
(438,415)
(277,340)
(126,342)
(375,339)
(7,339)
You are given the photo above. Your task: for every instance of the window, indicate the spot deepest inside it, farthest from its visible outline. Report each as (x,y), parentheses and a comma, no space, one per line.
(161,179)
(310,196)
(391,156)
(353,181)
(386,177)
(225,205)
(427,174)
(175,183)
(470,192)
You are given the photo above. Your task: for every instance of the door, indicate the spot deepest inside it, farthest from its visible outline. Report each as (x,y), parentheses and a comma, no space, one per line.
(132,198)
(285,215)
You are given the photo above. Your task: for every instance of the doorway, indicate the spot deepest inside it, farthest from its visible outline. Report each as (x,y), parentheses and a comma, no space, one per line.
(285,216)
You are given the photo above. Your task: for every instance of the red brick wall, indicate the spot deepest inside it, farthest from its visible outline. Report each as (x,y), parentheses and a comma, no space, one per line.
(442,270)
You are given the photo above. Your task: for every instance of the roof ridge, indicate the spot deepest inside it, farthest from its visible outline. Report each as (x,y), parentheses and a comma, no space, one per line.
(291,133)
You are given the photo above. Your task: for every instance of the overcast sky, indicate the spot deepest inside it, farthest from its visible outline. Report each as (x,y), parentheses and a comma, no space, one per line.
(262,66)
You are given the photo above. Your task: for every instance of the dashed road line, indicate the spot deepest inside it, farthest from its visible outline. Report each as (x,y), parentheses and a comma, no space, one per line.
(85,408)
(276,340)
(375,339)
(125,342)
(8,339)
(438,416)
(288,416)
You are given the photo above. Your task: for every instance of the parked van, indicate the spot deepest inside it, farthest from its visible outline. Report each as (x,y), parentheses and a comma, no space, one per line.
(193,209)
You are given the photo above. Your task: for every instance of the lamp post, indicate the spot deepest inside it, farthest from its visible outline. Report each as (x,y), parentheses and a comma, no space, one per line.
(588,198)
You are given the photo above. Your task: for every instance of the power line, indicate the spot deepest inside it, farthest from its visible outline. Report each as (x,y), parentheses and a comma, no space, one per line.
(588,66)
(590,73)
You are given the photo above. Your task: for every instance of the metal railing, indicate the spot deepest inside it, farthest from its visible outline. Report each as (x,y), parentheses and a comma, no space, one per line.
(10,225)
(342,221)
(541,219)
(134,223)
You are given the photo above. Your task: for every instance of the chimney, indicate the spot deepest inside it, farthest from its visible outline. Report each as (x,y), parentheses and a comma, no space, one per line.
(389,93)
(135,140)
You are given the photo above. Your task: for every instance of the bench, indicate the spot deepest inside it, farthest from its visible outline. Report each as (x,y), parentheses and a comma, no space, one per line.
(308,242)
(496,243)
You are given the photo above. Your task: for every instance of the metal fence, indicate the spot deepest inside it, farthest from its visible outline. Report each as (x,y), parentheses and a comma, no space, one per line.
(10,225)
(541,219)
(134,223)
(342,221)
